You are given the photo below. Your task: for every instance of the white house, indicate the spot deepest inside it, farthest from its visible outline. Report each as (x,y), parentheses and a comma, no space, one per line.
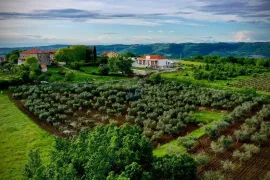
(153,61)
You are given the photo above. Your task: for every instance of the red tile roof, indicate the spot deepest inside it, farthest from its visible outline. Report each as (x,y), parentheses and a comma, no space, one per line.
(43,66)
(151,57)
(36,51)
(32,51)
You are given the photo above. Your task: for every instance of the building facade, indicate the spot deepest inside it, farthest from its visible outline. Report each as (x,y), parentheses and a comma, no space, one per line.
(44,57)
(153,61)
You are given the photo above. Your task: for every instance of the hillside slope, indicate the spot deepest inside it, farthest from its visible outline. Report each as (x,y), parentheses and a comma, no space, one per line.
(184,50)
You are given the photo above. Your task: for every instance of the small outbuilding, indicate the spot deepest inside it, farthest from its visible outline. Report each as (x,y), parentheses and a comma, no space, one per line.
(44,68)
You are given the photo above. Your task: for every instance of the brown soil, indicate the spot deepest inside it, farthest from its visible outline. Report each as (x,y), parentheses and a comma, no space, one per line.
(255,168)
(41,124)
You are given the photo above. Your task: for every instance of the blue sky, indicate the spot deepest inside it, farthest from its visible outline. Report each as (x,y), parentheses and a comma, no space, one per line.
(46,22)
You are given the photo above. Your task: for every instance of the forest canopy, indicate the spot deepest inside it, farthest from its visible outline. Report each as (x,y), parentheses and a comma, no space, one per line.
(109,152)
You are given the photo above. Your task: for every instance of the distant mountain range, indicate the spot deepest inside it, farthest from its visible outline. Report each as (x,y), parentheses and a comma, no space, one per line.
(185,50)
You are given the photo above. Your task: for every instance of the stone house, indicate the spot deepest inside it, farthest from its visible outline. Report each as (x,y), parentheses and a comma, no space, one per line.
(44,57)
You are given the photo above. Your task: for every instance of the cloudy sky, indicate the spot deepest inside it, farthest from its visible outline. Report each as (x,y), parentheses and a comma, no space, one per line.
(45,22)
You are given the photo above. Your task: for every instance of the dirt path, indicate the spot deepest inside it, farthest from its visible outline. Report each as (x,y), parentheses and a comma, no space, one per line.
(50,129)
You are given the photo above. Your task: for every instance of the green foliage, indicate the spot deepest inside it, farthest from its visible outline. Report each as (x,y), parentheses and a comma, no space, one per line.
(65,55)
(33,165)
(107,151)
(76,65)
(155,79)
(226,141)
(95,54)
(201,159)
(175,167)
(120,63)
(69,75)
(31,61)
(213,175)
(187,141)
(13,59)
(104,70)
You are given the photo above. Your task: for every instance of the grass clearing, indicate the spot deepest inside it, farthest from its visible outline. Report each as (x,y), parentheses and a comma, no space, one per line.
(205,116)
(80,76)
(18,136)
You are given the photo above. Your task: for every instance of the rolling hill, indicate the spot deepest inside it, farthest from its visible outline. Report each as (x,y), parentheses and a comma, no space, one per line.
(257,49)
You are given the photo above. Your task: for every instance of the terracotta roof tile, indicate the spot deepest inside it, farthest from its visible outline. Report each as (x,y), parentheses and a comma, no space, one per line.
(151,57)
(31,51)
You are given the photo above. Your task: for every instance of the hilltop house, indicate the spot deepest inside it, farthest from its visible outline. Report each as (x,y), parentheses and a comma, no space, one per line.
(153,61)
(44,57)
(110,54)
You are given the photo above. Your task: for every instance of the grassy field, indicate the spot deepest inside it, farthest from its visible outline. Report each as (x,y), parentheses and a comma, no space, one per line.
(207,116)
(18,136)
(89,69)
(79,75)
(203,116)
(186,75)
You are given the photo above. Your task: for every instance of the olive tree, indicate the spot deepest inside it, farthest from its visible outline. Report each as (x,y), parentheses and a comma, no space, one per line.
(201,159)
(228,166)
(226,141)
(216,147)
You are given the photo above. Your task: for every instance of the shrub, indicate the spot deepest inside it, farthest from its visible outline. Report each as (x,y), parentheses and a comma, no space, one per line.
(105,119)
(69,75)
(187,141)
(242,156)
(213,175)
(217,147)
(251,148)
(75,65)
(228,166)
(175,167)
(212,131)
(103,70)
(201,159)
(226,141)
(259,138)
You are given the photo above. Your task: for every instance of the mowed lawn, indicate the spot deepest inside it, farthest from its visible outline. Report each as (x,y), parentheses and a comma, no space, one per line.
(18,135)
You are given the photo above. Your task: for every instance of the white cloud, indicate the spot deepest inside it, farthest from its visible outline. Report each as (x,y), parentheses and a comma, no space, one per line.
(160,31)
(171,31)
(149,31)
(244,36)
(137,22)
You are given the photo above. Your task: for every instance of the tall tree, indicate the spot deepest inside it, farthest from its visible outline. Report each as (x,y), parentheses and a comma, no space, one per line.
(89,55)
(95,54)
